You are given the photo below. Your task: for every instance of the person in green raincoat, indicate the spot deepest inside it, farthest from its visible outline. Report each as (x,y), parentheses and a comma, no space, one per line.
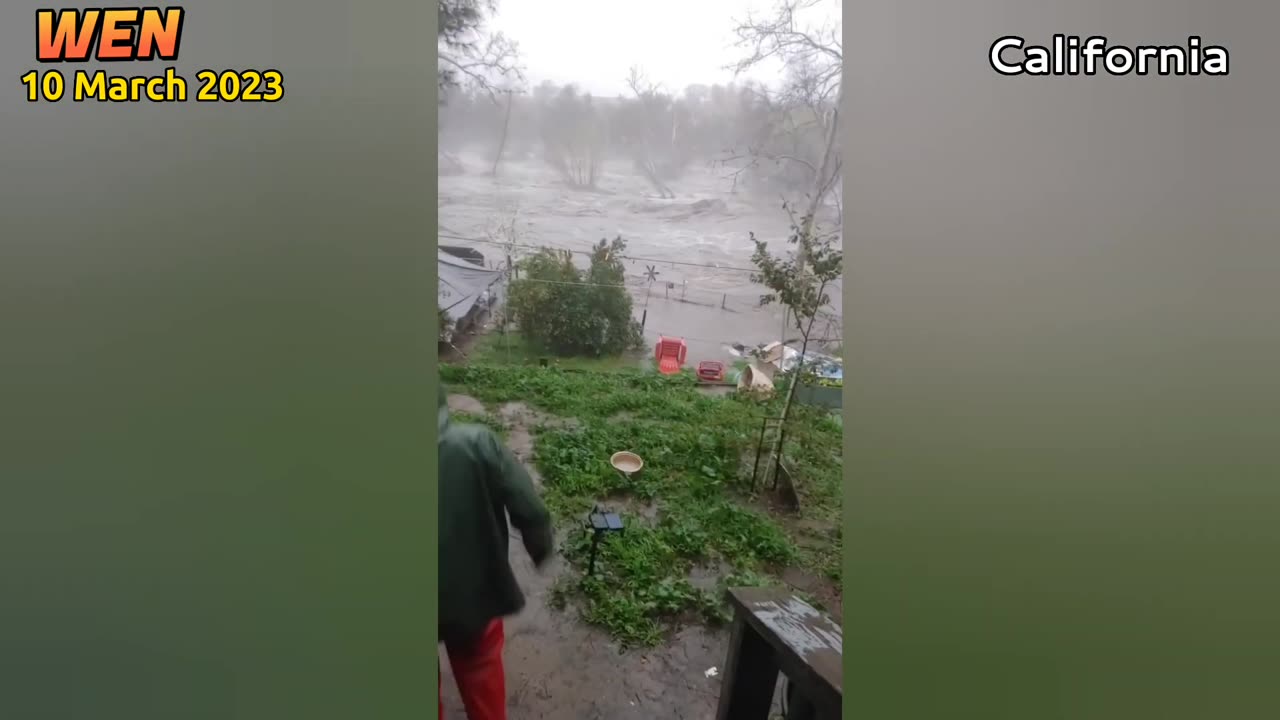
(481,485)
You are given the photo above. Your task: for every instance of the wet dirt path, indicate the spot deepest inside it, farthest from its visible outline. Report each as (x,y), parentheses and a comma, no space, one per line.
(559,668)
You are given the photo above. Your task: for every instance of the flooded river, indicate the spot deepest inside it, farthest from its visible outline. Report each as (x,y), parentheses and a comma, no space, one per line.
(710,301)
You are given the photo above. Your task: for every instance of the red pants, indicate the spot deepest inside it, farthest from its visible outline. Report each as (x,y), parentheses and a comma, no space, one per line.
(478,671)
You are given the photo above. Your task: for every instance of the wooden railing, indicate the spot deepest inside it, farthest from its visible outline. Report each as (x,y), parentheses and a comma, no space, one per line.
(776,632)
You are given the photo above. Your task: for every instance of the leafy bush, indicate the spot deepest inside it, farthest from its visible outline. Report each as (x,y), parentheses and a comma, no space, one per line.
(569,311)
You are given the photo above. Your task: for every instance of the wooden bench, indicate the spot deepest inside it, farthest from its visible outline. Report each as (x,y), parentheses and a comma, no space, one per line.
(775,631)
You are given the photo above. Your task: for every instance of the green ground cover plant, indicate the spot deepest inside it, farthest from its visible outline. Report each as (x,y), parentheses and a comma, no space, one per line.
(693,523)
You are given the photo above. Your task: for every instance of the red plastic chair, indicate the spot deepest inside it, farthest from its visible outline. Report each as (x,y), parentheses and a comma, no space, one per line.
(670,354)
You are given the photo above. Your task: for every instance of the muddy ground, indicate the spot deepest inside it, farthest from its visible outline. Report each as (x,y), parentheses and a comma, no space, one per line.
(559,668)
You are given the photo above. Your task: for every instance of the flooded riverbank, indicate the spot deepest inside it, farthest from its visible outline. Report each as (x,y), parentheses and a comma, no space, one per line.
(698,244)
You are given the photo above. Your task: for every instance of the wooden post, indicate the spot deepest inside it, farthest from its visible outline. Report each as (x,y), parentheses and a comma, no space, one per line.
(750,676)
(506,343)
(755,470)
(502,142)
(775,632)
(777,468)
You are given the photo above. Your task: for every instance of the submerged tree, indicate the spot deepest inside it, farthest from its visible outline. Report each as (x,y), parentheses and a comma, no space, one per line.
(650,124)
(574,138)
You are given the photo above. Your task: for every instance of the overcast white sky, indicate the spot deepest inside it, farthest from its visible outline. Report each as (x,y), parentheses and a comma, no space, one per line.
(593,43)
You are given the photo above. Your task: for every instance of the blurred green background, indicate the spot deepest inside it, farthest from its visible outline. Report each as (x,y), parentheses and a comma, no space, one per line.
(1063,420)
(217,380)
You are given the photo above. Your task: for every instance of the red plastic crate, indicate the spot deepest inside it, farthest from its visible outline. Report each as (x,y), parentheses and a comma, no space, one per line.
(711,370)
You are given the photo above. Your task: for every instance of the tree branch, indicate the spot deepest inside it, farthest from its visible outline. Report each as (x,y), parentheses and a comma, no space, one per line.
(783,36)
(483,67)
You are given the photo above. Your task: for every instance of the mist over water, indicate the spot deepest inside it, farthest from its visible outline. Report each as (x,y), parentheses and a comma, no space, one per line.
(680,184)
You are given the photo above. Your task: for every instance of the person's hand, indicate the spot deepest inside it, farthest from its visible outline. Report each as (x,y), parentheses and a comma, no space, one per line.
(540,543)
(548,564)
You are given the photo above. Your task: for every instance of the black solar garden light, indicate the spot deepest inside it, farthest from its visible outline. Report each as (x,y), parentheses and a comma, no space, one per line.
(601,522)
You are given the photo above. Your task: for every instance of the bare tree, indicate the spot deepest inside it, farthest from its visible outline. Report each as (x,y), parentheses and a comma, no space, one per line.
(506,234)
(810,98)
(813,56)
(787,37)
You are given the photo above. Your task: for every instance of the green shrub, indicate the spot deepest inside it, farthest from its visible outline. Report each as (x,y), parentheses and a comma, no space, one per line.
(572,312)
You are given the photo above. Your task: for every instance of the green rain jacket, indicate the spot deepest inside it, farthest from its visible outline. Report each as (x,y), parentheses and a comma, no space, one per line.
(481,484)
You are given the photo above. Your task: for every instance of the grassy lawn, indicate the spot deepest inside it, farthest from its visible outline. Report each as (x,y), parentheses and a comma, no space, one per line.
(693,524)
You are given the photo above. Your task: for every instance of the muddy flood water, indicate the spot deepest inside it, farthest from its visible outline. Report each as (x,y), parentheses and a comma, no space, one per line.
(559,668)
(705,224)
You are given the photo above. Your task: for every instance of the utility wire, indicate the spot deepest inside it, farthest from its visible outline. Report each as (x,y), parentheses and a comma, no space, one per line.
(569,282)
(652,292)
(635,288)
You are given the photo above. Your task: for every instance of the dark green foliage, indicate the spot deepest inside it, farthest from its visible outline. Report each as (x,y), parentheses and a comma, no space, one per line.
(800,278)
(799,281)
(571,312)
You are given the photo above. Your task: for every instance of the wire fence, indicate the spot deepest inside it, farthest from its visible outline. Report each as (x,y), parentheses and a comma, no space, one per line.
(826,329)
(644,286)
